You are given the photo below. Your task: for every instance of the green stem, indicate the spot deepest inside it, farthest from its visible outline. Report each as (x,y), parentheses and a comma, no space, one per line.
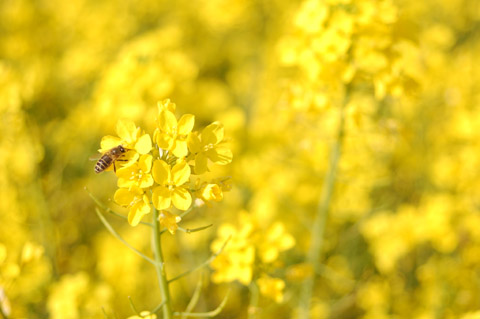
(318,228)
(160,267)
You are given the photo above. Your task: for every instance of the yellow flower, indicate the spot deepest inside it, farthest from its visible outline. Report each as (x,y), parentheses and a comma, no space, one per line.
(169,221)
(237,259)
(276,240)
(208,146)
(137,174)
(136,200)
(130,137)
(172,135)
(210,192)
(172,188)
(271,287)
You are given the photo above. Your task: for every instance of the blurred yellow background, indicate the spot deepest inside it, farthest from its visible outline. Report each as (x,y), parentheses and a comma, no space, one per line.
(354,127)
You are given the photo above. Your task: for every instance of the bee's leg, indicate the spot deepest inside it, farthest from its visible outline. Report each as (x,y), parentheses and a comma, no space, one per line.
(114,168)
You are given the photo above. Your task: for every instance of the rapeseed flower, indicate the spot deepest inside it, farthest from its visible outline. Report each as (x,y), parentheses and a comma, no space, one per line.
(208,146)
(172,188)
(129,136)
(136,174)
(136,199)
(171,135)
(271,287)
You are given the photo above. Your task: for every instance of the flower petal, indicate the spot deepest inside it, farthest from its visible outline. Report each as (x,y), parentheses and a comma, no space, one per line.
(180,173)
(161,197)
(145,181)
(200,164)
(108,142)
(185,124)
(138,210)
(127,131)
(126,176)
(194,143)
(181,198)
(180,149)
(166,105)
(167,121)
(212,134)
(144,144)
(145,163)
(220,155)
(123,197)
(161,172)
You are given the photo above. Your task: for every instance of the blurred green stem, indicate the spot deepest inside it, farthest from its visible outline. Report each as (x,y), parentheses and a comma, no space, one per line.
(318,227)
(160,267)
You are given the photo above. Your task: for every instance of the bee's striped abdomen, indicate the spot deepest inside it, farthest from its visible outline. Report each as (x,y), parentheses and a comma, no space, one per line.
(103,163)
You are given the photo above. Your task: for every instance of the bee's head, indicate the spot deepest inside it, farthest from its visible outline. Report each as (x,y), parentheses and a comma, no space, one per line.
(119,150)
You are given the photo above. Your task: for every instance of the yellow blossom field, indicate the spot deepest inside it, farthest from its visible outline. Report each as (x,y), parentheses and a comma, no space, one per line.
(315,159)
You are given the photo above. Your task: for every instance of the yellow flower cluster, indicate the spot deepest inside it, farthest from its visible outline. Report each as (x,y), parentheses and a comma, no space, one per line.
(162,172)
(249,254)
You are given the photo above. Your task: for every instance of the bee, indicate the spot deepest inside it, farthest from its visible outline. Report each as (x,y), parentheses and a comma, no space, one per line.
(108,158)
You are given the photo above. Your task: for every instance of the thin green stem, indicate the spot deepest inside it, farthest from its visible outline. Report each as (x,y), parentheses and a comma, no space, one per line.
(318,227)
(205,263)
(195,297)
(209,314)
(117,235)
(254,297)
(160,267)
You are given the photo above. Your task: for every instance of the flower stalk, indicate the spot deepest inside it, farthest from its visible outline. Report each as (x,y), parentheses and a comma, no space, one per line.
(318,228)
(160,267)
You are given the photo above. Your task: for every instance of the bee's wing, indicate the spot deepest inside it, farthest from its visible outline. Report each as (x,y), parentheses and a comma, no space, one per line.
(95,157)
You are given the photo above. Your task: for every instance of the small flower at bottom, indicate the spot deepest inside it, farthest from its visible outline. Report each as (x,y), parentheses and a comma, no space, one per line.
(136,199)
(172,188)
(169,221)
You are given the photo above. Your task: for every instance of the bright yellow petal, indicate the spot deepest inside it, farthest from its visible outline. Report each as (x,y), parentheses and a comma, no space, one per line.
(180,149)
(181,198)
(145,163)
(194,143)
(161,197)
(145,181)
(165,141)
(126,176)
(144,144)
(185,124)
(127,131)
(123,197)
(108,142)
(161,172)
(200,164)
(168,121)
(220,155)
(138,210)
(180,173)
(212,134)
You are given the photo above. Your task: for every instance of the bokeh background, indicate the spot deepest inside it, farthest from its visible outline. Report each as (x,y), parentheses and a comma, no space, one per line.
(354,126)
